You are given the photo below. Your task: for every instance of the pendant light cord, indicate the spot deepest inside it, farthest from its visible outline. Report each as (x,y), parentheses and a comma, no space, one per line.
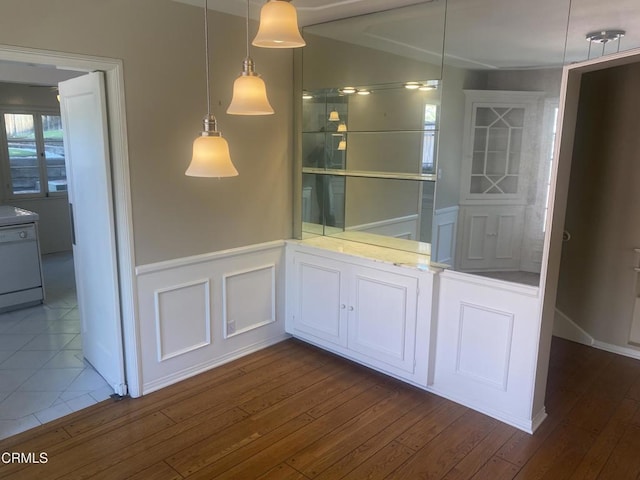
(247,28)
(206,53)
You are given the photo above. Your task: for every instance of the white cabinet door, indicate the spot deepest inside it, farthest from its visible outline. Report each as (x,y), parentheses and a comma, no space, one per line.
(367,314)
(491,237)
(382,317)
(320,303)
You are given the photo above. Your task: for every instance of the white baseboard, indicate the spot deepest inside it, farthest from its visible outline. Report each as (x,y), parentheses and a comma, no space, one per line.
(217,362)
(566,328)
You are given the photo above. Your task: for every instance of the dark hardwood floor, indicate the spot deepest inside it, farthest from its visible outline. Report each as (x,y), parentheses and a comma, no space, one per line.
(292,412)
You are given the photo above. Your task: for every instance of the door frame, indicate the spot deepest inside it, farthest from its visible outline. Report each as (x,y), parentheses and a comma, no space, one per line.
(558,195)
(114,79)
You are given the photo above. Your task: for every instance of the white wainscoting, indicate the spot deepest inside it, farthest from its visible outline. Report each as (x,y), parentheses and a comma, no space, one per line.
(199,312)
(487,339)
(400,227)
(445,229)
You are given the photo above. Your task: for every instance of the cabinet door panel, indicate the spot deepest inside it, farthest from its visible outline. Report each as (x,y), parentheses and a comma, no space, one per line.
(382,322)
(320,307)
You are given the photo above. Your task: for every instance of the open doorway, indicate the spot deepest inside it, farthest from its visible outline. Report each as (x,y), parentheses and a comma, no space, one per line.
(119,180)
(596,207)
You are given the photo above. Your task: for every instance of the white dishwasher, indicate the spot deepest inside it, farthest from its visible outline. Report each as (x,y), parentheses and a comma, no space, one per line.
(20,266)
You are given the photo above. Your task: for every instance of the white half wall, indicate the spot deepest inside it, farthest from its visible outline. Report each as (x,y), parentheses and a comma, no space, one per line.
(445,229)
(199,312)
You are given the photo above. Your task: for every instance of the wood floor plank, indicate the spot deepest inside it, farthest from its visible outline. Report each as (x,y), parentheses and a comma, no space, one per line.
(595,459)
(444,451)
(158,471)
(384,437)
(64,460)
(624,461)
(282,472)
(561,453)
(382,463)
(276,449)
(320,455)
(156,447)
(428,428)
(334,419)
(476,459)
(496,469)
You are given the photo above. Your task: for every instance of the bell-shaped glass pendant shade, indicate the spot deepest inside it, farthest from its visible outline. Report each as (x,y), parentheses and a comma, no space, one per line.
(249,95)
(342,145)
(211,156)
(278,26)
(334,116)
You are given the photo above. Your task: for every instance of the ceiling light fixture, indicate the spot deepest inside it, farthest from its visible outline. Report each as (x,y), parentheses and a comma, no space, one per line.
(211,156)
(412,85)
(334,116)
(604,37)
(348,90)
(364,92)
(342,127)
(249,90)
(306,95)
(278,26)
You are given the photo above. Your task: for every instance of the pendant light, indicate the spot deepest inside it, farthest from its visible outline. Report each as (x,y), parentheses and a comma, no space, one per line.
(278,26)
(210,151)
(249,90)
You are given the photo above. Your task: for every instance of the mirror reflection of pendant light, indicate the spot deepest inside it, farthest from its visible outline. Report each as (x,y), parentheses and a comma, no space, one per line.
(211,156)
(249,90)
(343,144)
(342,127)
(334,116)
(278,26)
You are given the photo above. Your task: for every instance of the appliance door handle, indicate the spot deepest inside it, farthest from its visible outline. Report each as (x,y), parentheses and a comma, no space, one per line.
(73,224)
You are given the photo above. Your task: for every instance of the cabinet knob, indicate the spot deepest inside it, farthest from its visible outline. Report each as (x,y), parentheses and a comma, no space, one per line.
(351,308)
(343,306)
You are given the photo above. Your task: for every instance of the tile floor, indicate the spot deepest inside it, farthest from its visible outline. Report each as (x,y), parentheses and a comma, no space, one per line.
(42,372)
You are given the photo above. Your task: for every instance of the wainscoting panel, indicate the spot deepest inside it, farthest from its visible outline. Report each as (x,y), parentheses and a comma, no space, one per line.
(242,314)
(445,227)
(479,327)
(186,307)
(487,339)
(175,333)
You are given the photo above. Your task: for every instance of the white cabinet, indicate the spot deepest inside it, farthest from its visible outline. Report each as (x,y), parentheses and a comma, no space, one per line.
(491,237)
(361,310)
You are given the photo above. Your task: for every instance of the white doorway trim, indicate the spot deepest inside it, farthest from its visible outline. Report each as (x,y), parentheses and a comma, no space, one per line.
(558,195)
(113,69)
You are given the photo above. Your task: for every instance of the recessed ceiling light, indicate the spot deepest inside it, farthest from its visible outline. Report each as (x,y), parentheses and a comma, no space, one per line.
(412,85)
(348,90)
(364,92)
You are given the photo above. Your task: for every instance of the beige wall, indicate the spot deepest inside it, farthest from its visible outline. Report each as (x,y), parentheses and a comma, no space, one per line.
(596,286)
(162,47)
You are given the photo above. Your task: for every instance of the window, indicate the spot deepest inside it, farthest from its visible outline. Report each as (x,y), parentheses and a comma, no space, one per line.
(429,139)
(33,154)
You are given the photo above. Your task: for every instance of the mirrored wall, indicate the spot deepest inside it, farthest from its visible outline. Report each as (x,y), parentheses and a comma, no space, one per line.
(423,141)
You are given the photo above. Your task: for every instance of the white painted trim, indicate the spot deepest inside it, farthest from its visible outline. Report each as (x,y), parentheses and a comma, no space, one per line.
(113,69)
(161,357)
(207,257)
(173,378)
(491,283)
(566,328)
(608,347)
(225,320)
(373,227)
(525,425)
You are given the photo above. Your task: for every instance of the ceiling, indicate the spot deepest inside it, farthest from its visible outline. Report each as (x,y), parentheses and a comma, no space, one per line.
(480,33)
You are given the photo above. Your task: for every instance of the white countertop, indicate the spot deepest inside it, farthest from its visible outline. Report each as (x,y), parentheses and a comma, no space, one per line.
(16,216)
(373,252)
